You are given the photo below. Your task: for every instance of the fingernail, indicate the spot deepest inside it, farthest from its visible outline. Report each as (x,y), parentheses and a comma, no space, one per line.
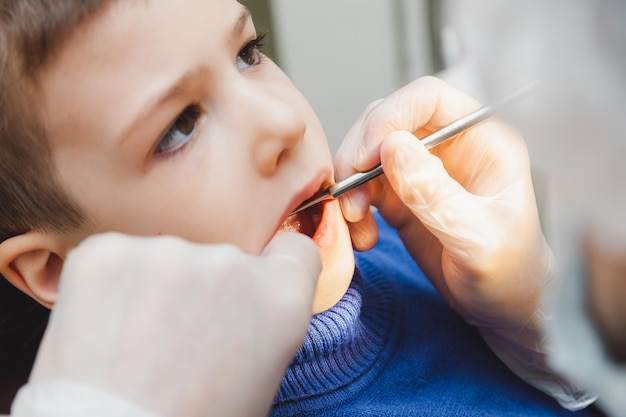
(347,205)
(351,206)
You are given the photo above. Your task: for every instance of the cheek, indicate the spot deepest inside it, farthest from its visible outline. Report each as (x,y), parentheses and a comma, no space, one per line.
(235,208)
(207,212)
(185,200)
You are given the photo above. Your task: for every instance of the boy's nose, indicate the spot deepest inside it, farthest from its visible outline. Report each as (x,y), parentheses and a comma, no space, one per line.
(273,125)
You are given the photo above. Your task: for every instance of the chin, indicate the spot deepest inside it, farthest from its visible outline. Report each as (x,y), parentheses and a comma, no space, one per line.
(324,223)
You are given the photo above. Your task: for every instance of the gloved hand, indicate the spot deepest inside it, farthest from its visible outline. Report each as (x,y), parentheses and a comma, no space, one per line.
(465,211)
(177,328)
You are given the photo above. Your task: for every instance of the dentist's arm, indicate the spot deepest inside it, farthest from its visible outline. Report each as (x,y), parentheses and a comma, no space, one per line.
(466,212)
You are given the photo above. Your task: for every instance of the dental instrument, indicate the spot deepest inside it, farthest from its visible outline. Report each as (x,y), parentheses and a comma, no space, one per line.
(430,141)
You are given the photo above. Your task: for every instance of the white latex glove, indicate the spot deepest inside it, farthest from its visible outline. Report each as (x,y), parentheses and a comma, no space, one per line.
(176,328)
(466,212)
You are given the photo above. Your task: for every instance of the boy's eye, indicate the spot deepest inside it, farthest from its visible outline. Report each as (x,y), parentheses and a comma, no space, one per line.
(250,55)
(179,134)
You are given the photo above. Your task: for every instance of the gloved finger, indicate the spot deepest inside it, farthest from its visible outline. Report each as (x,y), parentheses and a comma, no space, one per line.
(427,104)
(297,249)
(443,206)
(355,204)
(421,107)
(296,262)
(364,233)
(480,230)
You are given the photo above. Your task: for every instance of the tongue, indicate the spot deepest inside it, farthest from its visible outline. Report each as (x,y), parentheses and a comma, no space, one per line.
(304,222)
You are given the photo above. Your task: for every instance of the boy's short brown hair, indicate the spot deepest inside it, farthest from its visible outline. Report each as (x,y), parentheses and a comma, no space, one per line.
(31,33)
(31,197)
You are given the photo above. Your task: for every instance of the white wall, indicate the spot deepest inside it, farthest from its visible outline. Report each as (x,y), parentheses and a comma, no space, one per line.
(343,54)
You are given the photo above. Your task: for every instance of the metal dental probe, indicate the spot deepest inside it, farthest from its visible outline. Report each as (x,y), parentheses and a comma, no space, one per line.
(430,141)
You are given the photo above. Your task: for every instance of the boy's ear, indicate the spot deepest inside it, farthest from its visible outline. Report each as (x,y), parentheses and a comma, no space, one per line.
(32,262)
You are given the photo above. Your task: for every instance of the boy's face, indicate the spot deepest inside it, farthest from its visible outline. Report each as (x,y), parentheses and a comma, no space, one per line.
(164,119)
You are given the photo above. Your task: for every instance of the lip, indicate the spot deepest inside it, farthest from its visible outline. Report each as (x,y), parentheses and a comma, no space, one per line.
(318,182)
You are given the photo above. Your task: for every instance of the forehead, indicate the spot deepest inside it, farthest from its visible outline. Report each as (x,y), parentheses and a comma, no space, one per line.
(131,51)
(125,24)
(152,28)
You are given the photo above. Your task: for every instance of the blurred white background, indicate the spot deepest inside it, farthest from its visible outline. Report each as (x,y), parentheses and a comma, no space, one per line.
(344,54)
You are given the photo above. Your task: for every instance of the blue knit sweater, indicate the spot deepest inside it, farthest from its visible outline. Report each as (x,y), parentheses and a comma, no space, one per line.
(392,347)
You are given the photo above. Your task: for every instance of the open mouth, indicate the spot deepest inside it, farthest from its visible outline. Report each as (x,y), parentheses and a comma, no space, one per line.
(305,222)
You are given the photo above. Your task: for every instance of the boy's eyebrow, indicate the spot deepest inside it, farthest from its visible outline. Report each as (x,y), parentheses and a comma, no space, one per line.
(179,87)
(241,22)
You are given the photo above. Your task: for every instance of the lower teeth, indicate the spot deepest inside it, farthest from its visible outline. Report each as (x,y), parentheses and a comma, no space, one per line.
(305,222)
